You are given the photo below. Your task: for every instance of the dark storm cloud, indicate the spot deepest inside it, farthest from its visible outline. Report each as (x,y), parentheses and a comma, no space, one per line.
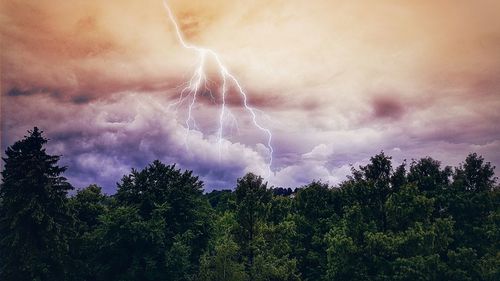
(77,99)
(81,99)
(386,107)
(101,142)
(14,92)
(97,75)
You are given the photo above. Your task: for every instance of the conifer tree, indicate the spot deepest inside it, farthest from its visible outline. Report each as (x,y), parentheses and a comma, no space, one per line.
(34,216)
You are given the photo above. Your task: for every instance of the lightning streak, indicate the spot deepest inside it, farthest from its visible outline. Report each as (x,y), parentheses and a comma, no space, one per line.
(199,80)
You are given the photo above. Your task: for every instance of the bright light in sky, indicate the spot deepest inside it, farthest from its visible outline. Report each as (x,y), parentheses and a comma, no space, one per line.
(338,81)
(199,82)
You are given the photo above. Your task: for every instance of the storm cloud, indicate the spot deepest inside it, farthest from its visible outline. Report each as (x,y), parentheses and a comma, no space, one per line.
(335,82)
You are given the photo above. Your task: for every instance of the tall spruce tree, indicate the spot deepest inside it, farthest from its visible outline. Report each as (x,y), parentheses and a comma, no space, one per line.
(34,216)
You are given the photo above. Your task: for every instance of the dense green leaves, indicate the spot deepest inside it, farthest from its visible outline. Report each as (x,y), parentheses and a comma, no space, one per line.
(173,195)
(252,200)
(126,247)
(419,221)
(35,222)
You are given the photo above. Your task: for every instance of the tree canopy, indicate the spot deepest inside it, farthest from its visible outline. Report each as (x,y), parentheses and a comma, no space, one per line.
(416,221)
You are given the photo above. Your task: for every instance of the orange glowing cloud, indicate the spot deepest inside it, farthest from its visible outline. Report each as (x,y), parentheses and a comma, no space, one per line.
(351,76)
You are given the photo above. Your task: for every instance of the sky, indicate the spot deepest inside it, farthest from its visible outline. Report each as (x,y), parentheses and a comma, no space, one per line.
(335,82)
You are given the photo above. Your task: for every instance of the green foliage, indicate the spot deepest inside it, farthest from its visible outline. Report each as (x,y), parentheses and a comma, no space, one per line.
(428,175)
(88,204)
(222,200)
(35,221)
(280,208)
(222,260)
(317,208)
(422,222)
(431,228)
(223,263)
(126,247)
(175,196)
(406,207)
(177,260)
(252,203)
(274,259)
(474,174)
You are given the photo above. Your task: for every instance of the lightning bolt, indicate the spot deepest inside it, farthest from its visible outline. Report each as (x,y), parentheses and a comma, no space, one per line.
(200,82)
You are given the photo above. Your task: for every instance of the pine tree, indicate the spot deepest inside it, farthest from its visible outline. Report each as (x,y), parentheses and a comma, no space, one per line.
(34,216)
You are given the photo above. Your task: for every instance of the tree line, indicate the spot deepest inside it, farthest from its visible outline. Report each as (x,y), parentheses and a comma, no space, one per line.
(414,221)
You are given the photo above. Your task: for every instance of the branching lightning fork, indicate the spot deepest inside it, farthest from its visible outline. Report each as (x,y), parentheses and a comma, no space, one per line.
(199,81)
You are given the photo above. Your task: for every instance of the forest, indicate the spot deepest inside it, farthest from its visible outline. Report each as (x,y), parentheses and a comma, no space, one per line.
(418,220)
